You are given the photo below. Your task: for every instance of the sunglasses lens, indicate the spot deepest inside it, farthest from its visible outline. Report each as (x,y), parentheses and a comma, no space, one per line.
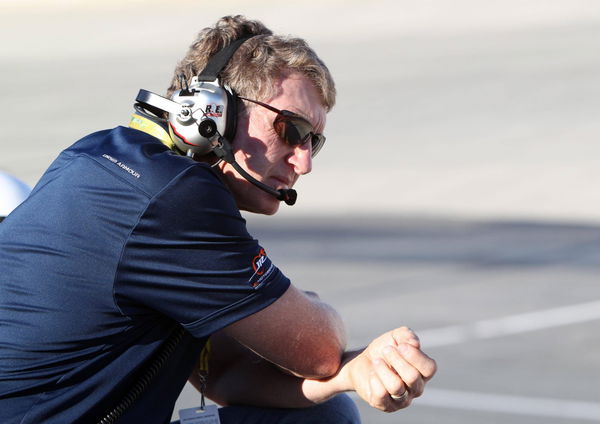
(317,143)
(291,129)
(296,131)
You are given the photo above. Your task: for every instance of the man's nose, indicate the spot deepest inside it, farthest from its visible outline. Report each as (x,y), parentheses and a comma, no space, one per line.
(301,159)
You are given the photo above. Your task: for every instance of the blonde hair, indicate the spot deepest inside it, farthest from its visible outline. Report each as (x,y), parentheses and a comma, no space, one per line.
(258,64)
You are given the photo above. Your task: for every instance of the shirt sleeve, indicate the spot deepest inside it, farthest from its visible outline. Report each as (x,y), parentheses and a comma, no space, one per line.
(191,258)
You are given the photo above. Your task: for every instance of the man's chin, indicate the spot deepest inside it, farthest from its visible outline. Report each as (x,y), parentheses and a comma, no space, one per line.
(267,206)
(269,209)
(272,211)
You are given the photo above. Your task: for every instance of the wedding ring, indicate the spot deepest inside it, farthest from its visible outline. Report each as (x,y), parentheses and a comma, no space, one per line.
(402,397)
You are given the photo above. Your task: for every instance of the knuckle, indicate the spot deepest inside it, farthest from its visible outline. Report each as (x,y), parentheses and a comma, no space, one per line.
(431,369)
(402,405)
(399,332)
(411,377)
(404,330)
(434,367)
(417,391)
(397,387)
(378,403)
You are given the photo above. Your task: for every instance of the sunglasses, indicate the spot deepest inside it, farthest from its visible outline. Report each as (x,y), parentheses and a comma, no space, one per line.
(293,129)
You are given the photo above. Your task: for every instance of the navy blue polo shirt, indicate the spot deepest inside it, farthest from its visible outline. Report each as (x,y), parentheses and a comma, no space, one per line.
(120,242)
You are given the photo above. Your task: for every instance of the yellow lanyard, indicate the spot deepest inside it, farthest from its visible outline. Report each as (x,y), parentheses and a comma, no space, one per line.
(146,125)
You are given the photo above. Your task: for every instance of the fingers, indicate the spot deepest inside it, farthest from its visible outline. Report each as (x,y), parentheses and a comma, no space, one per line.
(381,382)
(425,365)
(400,370)
(405,369)
(396,394)
(409,345)
(406,335)
(391,380)
(408,373)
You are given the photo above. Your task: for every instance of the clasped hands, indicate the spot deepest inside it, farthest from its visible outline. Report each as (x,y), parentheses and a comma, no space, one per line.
(391,371)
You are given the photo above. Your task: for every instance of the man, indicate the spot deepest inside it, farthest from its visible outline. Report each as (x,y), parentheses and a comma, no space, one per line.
(130,259)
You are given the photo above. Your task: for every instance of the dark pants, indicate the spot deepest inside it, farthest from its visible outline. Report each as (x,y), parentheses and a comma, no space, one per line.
(339,410)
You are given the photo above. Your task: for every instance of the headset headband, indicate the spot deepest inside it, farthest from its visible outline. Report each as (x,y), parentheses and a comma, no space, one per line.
(216,64)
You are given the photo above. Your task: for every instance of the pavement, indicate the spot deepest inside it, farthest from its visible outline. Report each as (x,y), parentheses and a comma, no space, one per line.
(455,193)
(509,310)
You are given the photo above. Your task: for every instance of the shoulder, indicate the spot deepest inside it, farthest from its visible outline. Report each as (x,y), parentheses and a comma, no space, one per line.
(197,200)
(141,160)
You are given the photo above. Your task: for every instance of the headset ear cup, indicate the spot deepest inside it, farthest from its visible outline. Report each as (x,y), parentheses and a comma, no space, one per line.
(202,110)
(210,116)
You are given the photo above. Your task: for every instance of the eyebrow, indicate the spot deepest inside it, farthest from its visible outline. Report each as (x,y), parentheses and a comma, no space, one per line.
(274,109)
(320,124)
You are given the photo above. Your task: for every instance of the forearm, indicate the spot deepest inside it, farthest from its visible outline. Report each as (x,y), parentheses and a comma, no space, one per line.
(388,374)
(257,382)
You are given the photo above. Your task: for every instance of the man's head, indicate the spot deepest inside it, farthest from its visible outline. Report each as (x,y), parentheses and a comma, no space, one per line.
(281,72)
(257,64)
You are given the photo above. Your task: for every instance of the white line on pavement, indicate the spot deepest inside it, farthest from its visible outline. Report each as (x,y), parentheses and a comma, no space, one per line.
(512,324)
(541,407)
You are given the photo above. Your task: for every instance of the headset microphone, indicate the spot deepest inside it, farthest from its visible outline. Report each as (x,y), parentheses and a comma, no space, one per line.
(288,195)
(223,151)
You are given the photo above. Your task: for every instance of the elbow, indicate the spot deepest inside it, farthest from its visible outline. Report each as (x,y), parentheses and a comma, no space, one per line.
(324,362)
(325,357)
(327,368)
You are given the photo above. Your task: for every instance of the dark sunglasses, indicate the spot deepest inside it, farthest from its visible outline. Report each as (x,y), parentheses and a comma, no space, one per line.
(293,129)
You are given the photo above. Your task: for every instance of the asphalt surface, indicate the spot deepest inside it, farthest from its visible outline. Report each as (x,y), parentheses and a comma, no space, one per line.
(456,193)
(509,310)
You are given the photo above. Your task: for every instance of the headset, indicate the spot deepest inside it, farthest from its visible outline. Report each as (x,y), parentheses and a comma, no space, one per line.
(202,116)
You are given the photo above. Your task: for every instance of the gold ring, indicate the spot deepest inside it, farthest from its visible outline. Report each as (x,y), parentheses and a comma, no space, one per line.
(402,397)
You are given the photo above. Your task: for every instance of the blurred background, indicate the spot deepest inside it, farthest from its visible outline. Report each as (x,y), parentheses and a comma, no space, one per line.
(455,193)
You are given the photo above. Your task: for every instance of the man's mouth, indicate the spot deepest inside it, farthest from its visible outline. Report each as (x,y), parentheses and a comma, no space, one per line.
(280,182)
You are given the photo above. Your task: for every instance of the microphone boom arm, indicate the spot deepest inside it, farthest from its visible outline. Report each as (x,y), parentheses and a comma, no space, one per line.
(223,151)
